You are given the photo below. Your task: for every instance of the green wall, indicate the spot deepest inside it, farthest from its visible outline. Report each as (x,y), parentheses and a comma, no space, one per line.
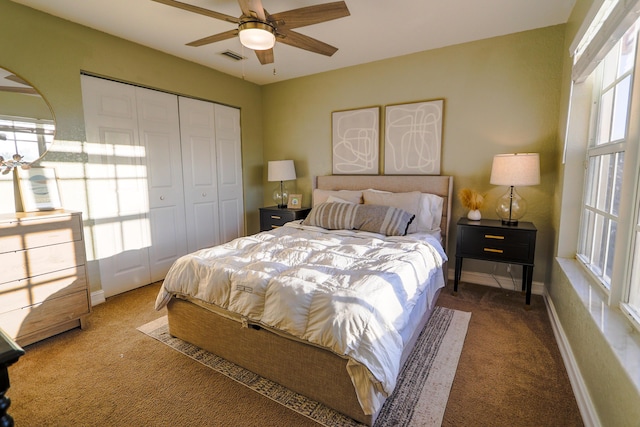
(501,96)
(50,53)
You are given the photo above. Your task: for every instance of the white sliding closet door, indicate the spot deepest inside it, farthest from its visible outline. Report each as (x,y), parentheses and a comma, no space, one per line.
(229,157)
(198,139)
(116,184)
(164,178)
(159,128)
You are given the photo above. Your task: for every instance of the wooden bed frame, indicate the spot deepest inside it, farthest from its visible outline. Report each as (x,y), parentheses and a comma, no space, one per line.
(311,371)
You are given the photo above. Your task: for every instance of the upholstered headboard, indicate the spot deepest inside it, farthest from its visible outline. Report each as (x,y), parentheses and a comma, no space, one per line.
(434,184)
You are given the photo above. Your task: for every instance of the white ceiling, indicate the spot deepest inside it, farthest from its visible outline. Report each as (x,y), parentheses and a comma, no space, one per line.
(375,30)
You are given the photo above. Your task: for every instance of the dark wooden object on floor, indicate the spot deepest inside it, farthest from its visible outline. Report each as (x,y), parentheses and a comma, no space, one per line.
(10,352)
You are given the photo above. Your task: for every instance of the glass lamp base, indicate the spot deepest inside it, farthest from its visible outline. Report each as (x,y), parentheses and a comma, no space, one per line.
(281,195)
(511,207)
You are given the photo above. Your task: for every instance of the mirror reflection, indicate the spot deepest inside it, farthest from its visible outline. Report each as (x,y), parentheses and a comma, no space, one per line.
(26,122)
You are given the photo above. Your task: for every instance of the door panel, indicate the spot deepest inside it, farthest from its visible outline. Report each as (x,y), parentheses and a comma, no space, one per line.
(229,158)
(116,188)
(197,131)
(160,136)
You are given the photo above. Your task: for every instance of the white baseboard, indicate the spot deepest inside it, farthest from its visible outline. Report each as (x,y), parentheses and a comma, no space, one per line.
(585,404)
(97,297)
(537,288)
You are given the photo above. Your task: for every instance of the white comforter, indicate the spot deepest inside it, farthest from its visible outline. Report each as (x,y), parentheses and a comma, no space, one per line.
(350,292)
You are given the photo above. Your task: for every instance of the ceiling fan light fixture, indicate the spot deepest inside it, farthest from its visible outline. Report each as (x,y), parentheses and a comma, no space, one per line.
(257,35)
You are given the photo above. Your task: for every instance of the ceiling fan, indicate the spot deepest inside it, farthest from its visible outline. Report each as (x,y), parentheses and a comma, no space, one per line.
(259,30)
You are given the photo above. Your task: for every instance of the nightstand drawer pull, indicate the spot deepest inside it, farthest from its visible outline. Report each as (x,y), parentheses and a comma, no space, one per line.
(275,217)
(497,251)
(493,236)
(275,226)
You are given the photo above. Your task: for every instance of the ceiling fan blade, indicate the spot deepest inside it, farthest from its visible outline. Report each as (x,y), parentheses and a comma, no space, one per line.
(17,79)
(253,8)
(305,42)
(265,56)
(214,38)
(310,15)
(15,89)
(199,10)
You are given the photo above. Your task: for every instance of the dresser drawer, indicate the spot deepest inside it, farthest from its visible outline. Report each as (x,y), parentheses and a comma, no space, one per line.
(37,289)
(35,232)
(33,262)
(37,317)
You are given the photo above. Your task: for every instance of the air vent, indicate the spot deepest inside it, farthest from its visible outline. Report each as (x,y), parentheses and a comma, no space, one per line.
(233,55)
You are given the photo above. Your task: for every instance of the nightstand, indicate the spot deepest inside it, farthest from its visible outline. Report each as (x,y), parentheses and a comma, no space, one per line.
(274,217)
(490,240)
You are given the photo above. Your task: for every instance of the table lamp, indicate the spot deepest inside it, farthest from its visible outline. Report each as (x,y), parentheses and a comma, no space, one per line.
(514,170)
(281,170)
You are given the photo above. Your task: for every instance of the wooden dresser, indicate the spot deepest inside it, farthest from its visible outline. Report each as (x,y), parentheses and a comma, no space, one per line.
(43,278)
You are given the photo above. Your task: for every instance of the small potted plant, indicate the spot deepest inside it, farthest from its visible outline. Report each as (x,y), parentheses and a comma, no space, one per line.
(473,201)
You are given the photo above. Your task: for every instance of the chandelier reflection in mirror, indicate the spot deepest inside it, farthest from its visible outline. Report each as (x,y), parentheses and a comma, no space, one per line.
(22,139)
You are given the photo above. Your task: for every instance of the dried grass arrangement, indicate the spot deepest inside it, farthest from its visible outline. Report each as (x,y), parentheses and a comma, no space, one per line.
(473,201)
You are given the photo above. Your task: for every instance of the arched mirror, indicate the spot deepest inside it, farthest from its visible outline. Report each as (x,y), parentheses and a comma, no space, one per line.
(27,124)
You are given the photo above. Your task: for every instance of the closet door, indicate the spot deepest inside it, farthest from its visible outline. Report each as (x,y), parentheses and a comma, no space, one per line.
(159,130)
(198,141)
(116,187)
(229,158)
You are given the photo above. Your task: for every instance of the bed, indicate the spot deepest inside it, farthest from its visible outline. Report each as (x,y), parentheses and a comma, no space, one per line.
(308,350)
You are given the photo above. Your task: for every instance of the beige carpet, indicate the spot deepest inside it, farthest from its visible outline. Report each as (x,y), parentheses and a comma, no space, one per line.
(510,373)
(419,399)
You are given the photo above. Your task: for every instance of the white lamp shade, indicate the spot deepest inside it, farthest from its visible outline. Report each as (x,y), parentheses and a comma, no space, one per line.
(516,169)
(281,170)
(256,35)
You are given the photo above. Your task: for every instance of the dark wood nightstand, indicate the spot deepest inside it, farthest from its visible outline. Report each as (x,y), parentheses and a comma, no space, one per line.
(274,217)
(489,240)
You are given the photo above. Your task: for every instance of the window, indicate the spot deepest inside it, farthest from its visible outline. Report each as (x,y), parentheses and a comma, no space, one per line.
(605,158)
(28,137)
(609,231)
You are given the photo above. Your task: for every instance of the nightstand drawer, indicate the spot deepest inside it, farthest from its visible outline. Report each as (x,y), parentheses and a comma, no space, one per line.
(506,245)
(274,217)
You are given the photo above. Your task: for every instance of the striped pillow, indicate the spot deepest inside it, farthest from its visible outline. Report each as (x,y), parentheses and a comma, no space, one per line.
(379,219)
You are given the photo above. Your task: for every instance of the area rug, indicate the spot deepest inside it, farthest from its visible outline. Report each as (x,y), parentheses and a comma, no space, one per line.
(421,393)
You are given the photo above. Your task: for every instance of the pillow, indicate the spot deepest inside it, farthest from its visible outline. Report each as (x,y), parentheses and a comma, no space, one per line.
(409,202)
(430,215)
(321,196)
(379,219)
(334,199)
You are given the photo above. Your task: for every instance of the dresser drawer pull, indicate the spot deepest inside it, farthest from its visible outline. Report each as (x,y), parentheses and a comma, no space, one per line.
(493,236)
(497,251)
(275,217)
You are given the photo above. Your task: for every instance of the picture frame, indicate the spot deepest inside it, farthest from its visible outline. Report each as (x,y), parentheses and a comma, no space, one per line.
(413,138)
(295,201)
(356,141)
(38,189)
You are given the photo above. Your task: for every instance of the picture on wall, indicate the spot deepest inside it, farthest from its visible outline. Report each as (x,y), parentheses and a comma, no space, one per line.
(413,138)
(356,141)
(38,189)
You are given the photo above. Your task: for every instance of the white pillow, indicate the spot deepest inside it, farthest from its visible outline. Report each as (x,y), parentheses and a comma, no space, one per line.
(425,206)
(321,196)
(430,215)
(409,202)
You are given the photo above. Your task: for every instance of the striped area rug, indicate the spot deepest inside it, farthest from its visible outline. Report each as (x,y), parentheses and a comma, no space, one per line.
(421,393)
